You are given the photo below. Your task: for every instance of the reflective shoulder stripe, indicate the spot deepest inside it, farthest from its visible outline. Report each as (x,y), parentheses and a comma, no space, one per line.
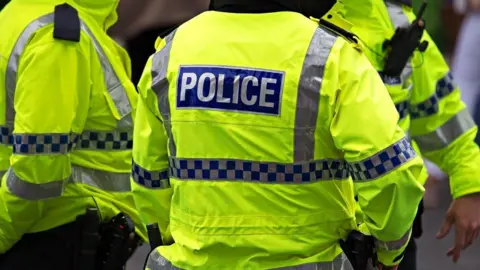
(106,181)
(112,82)
(258,172)
(160,86)
(445,86)
(397,16)
(156,261)
(393,245)
(38,144)
(150,179)
(447,133)
(308,94)
(383,162)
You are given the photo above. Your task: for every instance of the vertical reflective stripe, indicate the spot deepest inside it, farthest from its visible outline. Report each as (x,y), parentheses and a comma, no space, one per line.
(398,17)
(447,133)
(114,85)
(112,82)
(308,94)
(156,261)
(160,85)
(12,65)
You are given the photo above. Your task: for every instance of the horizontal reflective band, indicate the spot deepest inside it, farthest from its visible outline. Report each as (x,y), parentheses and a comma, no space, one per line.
(156,261)
(103,180)
(266,172)
(402,109)
(447,133)
(393,245)
(383,162)
(150,179)
(43,143)
(105,140)
(445,86)
(6,137)
(106,181)
(31,191)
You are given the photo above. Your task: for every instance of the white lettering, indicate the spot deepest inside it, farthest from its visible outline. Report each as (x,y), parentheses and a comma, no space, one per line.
(189,80)
(236,89)
(264,91)
(211,87)
(220,98)
(243,95)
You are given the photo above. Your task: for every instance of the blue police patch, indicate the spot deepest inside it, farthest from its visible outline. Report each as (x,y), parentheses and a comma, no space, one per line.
(230,89)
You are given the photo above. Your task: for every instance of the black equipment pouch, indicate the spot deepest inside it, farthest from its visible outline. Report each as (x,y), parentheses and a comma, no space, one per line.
(89,225)
(360,250)
(402,45)
(118,242)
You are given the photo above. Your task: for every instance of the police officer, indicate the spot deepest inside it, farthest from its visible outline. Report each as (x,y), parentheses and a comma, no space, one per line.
(431,111)
(252,123)
(67,106)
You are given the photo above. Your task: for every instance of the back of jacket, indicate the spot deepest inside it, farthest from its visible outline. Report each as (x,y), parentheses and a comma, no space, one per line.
(67,108)
(246,137)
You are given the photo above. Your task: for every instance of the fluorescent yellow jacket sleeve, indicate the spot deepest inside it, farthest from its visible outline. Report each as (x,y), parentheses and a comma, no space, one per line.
(440,122)
(150,183)
(383,165)
(40,164)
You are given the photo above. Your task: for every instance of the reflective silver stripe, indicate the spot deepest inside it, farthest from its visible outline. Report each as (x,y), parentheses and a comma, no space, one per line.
(447,133)
(308,94)
(150,179)
(41,144)
(393,245)
(398,17)
(113,84)
(258,172)
(106,181)
(383,162)
(160,85)
(32,192)
(156,261)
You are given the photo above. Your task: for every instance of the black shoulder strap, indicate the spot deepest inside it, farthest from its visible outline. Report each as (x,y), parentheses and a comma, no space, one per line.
(66,24)
(405,2)
(340,31)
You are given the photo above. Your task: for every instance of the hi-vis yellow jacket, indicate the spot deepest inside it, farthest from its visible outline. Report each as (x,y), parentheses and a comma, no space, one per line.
(247,140)
(67,108)
(425,95)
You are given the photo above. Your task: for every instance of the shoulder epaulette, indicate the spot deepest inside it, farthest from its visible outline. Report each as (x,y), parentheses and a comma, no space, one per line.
(340,31)
(66,24)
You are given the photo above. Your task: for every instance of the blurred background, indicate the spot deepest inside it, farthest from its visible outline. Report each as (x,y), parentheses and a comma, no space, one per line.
(454,26)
